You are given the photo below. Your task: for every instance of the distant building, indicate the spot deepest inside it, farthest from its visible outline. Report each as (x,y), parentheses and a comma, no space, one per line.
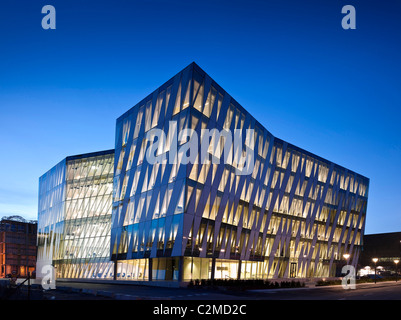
(386,247)
(17,246)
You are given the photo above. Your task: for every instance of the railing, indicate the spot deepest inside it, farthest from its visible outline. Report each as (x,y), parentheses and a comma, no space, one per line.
(14,289)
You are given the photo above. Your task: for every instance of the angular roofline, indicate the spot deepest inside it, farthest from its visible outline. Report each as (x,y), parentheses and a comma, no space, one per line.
(313,155)
(79,156)
(165,84)
(197,68)
(383,234)
(89,155)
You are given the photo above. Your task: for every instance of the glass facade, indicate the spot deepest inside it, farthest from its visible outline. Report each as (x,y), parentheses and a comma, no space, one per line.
(51,206)
(137,270)
(257,208)
(294,215)
(75,216)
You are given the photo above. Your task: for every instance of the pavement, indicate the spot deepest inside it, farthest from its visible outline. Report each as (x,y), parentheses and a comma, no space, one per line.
(196,303)
(142,292)
(390,290)
(386,290)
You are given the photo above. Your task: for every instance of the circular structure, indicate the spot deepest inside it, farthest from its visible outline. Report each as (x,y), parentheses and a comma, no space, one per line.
(18,219)
(14,218)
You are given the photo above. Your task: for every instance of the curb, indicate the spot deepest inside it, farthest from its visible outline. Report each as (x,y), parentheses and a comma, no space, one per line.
(89,291)
(64,289)
(106,294)
(121,296)
(360,285)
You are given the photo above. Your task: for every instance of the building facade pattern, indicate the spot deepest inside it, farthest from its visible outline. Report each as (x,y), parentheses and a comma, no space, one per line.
(295,215)
(75,216)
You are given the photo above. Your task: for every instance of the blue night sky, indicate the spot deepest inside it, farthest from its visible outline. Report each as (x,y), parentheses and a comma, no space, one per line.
(333,92)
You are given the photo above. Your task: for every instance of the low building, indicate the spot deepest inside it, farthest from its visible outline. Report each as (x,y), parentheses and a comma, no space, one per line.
(386,247)
(17,247)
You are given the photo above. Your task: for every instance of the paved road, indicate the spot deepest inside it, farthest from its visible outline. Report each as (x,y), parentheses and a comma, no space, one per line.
(155,293)
(368,291)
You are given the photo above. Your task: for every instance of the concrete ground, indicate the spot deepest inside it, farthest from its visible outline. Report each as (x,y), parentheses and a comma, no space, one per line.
(390,290)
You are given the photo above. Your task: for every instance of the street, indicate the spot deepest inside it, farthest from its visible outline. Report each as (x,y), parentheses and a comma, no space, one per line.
(178,303)
(390,290)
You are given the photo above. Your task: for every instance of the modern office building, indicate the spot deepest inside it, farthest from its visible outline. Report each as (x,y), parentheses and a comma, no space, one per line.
(202,190)
(17,247)
(294,214)
(74,219)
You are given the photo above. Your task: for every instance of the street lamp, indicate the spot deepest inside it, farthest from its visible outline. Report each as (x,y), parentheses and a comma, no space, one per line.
(396,269)
(375,260)
(346,257)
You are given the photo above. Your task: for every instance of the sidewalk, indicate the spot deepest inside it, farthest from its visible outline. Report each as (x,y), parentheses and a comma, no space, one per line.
(379,284)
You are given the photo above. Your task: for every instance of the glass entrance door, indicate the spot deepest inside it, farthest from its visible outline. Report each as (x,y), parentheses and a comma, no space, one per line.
(293,269)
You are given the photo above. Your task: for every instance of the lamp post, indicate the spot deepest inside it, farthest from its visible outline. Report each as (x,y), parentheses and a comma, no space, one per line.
(346,256)
(375,261)
(396,269)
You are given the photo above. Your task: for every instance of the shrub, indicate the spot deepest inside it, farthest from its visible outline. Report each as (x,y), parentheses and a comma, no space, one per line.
(247,284)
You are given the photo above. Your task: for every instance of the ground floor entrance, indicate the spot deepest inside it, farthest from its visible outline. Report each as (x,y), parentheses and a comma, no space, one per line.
(193,268)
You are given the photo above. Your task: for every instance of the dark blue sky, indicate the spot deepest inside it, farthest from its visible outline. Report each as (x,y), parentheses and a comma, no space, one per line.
(333,92)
